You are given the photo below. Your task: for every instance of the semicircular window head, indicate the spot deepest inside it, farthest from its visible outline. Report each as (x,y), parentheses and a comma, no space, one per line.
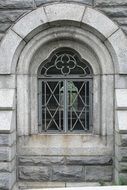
(65,93)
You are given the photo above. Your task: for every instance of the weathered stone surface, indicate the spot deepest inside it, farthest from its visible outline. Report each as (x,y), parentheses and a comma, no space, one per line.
(1,36)
(40,2)
(7,139)
(7,121)
(121,98)
(120,139)
(82,184)
(30,22)
(121,82)
(7,153)
(8,166)
(120,20)
(10,15)
(114,11)
(39,160)
(68,173)
(104,3)
(121,153)
(118,41)
(123,139)
(122,166)
(34,173)
(57,12)
(124,28)
(5,26)
(16,4)
(7,82)
(93,160)
(99,22)
(99,173)
(121,118)
(38,185)
(8,48)
(7,102)
(7,180)
(122,179)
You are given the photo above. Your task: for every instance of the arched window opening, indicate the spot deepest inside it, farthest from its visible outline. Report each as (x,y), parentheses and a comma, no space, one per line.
(65,93)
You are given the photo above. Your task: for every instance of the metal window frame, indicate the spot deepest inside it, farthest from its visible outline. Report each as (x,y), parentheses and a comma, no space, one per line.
(64,56)
(65,119)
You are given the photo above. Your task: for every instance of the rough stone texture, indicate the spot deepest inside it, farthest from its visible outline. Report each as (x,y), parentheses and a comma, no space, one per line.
(7,153)
(5,26)
(7,123)
(16,4)
(41,2)
(7,102)
(122,22)
(121,82)
(98,173)
(7,81)
(122,167)
(68,173)
(7,180)
(114,12)
(101,160)
(10,15)
(13,9)
(30,22)
(82,184)
(121,118)
(8,166)
(119,43)
(39,160)
(10,48)
(121,153)
(99,22)
(115,9)
(123,140)
(64,12)
(7,139)
(107,3)
(121,98)
(33,173)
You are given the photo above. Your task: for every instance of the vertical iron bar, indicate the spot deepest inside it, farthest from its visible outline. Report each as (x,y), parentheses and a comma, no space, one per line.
(45,103)
(71,113)
(40,106)
(90,103)
(59,105)
(85,107)
(65,106)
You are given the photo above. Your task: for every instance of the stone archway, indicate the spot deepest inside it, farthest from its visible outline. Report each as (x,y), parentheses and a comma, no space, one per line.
(37,21)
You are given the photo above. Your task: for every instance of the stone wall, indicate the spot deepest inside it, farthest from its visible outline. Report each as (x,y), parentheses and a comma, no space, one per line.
(7,139)
(121,138)
(12,10)
(62,169)
(65,168)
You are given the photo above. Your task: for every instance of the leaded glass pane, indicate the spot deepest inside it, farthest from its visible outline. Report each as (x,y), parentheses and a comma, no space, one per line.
(65,93)
(52,110)
(78,106)
(65,62)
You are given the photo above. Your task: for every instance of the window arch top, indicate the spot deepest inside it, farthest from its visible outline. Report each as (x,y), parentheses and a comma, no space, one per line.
(64,62)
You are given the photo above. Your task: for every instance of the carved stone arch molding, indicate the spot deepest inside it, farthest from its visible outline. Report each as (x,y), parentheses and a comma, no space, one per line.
(29,42)
(47,16)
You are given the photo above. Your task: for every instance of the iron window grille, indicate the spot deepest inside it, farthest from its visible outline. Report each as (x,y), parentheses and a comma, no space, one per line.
(65,93)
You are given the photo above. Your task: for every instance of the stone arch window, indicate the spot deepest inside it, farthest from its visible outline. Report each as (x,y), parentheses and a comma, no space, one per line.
(65,93)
